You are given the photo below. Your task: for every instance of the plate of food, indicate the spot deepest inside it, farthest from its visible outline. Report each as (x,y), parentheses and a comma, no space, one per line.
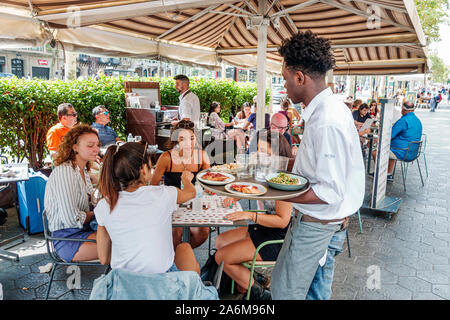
(246,188)
(228,167)
(286,181)
(215,178)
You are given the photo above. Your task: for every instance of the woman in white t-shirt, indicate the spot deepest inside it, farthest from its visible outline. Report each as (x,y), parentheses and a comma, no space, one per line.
(135,219)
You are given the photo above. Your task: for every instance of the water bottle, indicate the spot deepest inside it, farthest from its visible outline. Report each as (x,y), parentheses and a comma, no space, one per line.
(197,201)
(130,138)
(157,107)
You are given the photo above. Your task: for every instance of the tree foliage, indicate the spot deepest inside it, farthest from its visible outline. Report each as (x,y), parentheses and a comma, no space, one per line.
(431,14)
(28,107)
(439,70)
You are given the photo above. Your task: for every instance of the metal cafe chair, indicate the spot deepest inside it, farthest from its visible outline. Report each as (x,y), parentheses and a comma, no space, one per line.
(422,151)
(257,264)
(414,148)
(58,261)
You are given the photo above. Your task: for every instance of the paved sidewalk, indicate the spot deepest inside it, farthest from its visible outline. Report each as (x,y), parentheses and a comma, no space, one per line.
(411,249)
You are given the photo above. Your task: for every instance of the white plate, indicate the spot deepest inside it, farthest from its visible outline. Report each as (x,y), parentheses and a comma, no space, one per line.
(260,187)
(216,183)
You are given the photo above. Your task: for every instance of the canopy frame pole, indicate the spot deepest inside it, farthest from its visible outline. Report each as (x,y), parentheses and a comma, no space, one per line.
(261,70)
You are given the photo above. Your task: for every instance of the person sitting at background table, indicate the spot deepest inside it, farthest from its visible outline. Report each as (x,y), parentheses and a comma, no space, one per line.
(361,115)
(279,124)
(239,245)
(184,154)
(135,219)
(289,112)
(244,113)
(67,194)
(373,107)
(106,134)
(67,120)
(218,127)
(356,104)
(252,120)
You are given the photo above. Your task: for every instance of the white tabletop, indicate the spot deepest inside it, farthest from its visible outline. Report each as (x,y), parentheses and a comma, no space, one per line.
(13,172)
(212,214)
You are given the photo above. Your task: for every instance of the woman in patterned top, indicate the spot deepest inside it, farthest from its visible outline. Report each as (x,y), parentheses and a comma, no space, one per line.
(68,192)
(219,126)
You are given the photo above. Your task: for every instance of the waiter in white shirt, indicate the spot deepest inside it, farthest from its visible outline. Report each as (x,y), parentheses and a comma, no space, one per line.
(189,108)
(330,157)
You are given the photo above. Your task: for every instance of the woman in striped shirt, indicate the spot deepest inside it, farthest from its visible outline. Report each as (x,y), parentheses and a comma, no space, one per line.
(68,192)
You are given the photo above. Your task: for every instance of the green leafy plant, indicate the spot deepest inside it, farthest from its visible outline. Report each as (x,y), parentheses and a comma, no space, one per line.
(28,107)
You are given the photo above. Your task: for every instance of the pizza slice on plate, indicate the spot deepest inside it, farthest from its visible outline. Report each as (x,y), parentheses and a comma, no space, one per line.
(214,176)
(245,189)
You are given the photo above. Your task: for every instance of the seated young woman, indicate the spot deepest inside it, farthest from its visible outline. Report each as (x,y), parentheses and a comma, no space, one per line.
(239,245)
(184,154)
(68,192)
(135,219)
(219,126)
(244,113)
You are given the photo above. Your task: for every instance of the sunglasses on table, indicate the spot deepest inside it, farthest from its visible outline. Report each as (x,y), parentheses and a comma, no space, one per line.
(185,124)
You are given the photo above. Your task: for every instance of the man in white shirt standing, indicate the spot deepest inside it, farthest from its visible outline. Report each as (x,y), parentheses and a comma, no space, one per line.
(330,157)
(189,108)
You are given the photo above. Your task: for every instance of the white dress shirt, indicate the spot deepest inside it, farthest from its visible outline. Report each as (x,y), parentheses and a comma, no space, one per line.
(189,106)
(330,157)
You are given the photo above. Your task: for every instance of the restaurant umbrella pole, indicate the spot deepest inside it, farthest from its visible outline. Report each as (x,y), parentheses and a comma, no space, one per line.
(378,201)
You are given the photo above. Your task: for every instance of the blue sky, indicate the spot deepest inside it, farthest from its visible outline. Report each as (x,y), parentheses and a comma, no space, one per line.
(443,47)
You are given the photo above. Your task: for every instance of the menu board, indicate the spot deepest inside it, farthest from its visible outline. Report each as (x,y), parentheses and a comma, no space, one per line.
(384,145)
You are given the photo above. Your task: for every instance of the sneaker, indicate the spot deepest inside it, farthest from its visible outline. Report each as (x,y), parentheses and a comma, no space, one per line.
(258,292)
(390,178)
(262,279)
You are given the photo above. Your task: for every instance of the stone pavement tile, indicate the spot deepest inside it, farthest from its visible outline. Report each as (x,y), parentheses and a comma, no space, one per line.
(425,296)
(443,235)
(30,259)
(417,263)
(76,295)
(8,284)
(403,251)
(375,294)
(32,280)
(369,261)
(435,242)
(433,258)
(442,290)
(58,289)
(401,269)
(388,277)
(433,277)
(35,267)
(388,257)
(414,284)
(443,269)
(19,294)
(418,246)
(396,292)
(343,292)
(14,272)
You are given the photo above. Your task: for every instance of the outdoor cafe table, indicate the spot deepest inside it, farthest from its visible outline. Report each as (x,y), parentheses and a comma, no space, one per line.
(211,215)
(13,172)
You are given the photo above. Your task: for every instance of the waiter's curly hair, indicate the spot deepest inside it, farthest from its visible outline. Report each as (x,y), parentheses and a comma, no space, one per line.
(65,151)
(308,53)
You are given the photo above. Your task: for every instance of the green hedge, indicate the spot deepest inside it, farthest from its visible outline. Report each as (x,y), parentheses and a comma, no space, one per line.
(28,107)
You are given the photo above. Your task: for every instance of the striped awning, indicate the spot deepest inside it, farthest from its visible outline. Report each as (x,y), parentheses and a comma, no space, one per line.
(368,36)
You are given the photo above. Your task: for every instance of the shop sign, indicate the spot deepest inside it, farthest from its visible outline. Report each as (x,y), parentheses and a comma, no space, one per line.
(43,62)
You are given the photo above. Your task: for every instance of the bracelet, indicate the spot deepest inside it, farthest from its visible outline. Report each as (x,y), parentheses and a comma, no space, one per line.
(256,217)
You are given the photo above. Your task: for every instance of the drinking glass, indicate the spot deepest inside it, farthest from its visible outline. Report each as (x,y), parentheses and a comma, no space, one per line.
(262,167)
(242,160)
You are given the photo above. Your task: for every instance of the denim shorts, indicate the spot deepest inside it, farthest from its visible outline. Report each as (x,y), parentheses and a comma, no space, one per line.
(173,268)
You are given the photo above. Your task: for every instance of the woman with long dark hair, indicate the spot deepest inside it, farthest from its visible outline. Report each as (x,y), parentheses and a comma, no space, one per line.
(67,194)
(239,245)
(184,154)
(135,219)
(373,107)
